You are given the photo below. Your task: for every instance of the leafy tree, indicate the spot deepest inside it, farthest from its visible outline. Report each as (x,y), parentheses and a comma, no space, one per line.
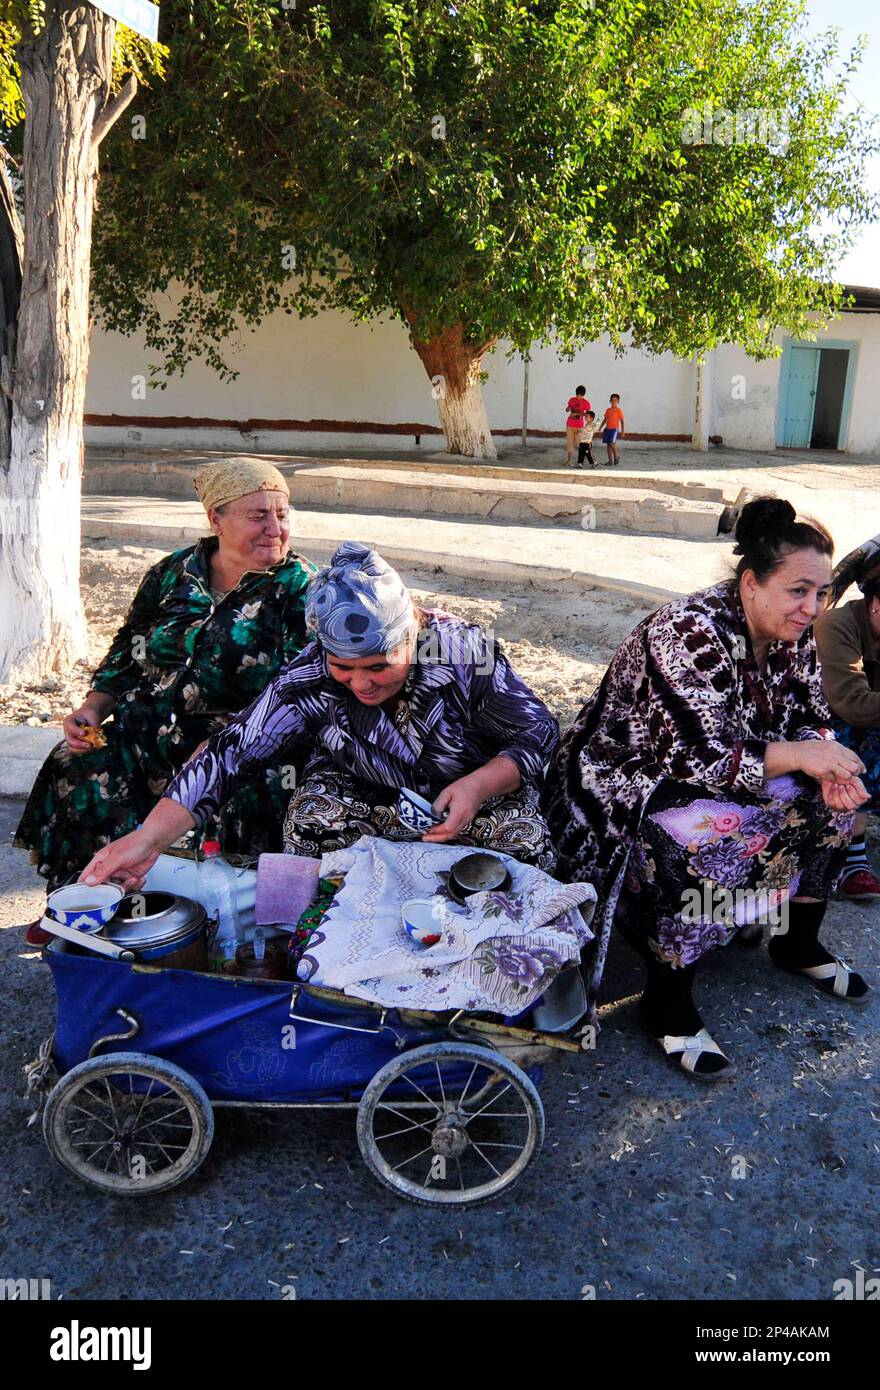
(528,170)
(65,77)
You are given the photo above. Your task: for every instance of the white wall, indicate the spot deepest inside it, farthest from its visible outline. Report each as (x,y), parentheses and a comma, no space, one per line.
(744,399)
(864,421)
(746,393)
(331,368)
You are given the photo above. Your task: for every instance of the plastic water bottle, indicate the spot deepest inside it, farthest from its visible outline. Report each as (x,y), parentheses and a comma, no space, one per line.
(217,894)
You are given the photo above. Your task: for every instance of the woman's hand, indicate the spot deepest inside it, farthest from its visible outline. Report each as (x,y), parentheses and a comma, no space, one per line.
(844,796)
(126,861)
(829,761)
(74,722)
(129,859)
(95,708)
(461,800)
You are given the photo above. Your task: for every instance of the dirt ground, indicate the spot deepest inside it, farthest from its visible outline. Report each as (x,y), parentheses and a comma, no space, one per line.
(560,644)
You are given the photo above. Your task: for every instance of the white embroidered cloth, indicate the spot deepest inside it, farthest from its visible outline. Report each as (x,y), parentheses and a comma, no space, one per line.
(498,953)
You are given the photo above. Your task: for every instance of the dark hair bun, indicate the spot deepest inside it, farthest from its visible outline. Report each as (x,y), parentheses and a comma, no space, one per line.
(761,520)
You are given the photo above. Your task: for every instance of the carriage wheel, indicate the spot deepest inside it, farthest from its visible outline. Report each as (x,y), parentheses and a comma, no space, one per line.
(129,1124)
(449,1124)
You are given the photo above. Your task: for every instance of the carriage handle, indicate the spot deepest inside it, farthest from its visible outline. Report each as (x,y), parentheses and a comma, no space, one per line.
(346,1027)
(134,1028)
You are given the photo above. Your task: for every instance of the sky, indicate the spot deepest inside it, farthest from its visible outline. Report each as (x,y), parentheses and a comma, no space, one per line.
(853,17)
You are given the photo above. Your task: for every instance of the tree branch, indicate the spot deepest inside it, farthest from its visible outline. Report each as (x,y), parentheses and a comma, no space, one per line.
(114,109)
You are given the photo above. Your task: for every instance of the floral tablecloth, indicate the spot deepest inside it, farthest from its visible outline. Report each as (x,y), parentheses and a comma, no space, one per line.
(498,952)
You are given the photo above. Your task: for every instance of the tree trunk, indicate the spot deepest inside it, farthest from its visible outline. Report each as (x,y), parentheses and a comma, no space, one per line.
(453,363)
(66,71)
(11,251)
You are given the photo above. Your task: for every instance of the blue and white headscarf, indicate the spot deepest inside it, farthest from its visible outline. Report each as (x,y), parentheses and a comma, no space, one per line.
(358,605)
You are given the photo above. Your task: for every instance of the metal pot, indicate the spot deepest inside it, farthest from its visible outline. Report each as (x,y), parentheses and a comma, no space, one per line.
(478,873)
(161,929)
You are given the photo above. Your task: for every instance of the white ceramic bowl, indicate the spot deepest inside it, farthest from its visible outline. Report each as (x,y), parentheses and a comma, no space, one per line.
(83,907)
(421,920)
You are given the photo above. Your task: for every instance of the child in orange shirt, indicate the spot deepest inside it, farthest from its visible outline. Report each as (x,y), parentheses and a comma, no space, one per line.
(612,428)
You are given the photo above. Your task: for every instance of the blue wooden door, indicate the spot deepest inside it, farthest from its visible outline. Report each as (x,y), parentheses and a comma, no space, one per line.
(800,398)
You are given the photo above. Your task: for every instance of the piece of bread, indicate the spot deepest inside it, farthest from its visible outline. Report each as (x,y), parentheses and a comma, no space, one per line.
(93,735)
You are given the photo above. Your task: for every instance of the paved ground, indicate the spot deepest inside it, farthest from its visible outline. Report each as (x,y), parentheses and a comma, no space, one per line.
(634,1193)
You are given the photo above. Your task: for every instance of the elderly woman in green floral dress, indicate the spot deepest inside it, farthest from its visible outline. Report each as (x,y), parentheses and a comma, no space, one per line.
(208,629)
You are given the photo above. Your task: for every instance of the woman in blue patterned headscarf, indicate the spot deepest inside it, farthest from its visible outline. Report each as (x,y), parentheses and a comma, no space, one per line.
(388,696)
(359,606)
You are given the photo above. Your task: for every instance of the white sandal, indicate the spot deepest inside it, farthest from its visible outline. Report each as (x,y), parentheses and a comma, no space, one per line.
(689,1050)
(836,971)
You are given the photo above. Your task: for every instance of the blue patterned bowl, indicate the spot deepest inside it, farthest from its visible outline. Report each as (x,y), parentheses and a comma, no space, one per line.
(87,909)
(415,811)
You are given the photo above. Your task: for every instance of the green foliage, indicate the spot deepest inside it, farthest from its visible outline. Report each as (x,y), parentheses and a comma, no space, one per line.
(11,106)
(25,19)
(562,203)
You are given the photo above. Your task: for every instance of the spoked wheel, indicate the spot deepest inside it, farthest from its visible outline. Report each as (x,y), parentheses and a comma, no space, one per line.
(128,1123)
(450,1124)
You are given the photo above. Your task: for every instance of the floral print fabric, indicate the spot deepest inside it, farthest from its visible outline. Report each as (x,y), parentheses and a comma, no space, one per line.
(179,666)
(498,952)
(702,868)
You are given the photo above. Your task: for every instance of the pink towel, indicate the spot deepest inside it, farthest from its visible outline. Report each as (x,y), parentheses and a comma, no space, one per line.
(286,885)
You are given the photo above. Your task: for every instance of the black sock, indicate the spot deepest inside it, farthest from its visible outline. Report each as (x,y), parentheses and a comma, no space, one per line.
(667,1008)
(666,1005)
(800,948)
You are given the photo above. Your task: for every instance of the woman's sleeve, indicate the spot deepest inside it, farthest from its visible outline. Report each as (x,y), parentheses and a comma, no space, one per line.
(505,708)
(250,740)
(811,716)
(119,670)
(294,636)
(690,709)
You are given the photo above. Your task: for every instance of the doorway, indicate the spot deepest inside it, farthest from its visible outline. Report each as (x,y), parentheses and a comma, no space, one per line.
(814,395)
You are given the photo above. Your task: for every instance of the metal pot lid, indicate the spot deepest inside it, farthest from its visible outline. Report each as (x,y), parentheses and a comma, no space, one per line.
(480,873)
(153,919)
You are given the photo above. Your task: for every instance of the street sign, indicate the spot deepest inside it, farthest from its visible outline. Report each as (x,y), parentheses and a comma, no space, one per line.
(140,15)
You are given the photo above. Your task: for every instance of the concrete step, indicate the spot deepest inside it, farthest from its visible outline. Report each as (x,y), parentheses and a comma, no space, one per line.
(601,476)
(576,502)
(653,568)
(115,470)
(501,499)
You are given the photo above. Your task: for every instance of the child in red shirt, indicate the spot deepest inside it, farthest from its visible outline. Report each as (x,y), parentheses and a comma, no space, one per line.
(612,428)
(577,407)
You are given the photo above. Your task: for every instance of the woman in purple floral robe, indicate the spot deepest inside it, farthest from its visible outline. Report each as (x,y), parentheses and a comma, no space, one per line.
(700,790)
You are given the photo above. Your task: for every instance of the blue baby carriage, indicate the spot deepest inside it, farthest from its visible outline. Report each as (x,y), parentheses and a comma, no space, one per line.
(146,1054)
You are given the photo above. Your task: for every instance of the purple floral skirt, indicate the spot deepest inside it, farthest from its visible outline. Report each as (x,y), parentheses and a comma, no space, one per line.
(702,866)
